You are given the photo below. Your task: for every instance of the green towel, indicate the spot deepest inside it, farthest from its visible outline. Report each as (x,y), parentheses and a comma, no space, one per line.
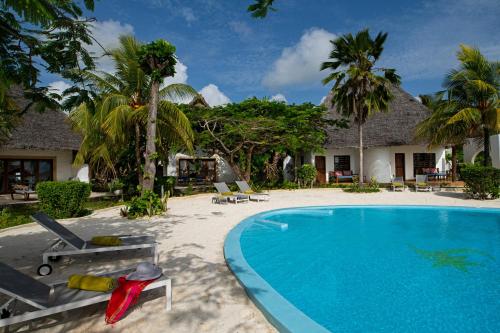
(249,192)
(227,193)
(422,184)
(106,241)
(396,184)
(91,283)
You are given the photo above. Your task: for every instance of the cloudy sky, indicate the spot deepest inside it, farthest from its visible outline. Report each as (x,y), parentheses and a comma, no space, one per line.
(229,56)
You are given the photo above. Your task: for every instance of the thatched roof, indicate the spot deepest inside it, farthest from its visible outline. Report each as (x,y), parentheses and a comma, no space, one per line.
(49,130)
(199,101)
(393,128)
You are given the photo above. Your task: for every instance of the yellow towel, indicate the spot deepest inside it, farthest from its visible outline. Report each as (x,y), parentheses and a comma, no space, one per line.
(396,184)
(106,241)
(249,192)
(90,282)
(421,184)
(227,193)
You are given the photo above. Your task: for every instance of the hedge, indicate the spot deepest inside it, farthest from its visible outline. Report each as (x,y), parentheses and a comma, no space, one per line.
(481,182)
(62,199)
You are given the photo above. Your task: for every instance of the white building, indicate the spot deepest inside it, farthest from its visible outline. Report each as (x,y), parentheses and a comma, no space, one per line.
(41,147)
(390,148)
(474,147)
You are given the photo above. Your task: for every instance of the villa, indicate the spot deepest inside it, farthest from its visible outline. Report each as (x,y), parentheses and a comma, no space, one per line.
(41,147)
(390,147)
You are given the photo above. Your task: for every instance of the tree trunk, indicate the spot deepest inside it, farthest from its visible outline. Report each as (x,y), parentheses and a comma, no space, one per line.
(150,158)
(295,166)
(138,153)
(248,164)
(486,152)
(360,133)
(235,167)
(453,163)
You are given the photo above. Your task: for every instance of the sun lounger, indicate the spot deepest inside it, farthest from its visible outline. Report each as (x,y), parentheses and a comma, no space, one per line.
(421,184)
(70,244)
(246,189)
(39,299)
(226,194)
(398,184)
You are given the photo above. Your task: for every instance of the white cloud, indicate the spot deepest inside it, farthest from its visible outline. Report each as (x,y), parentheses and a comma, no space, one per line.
(300,64)
(107,33)
(241,28)
(180,76)
(279,98)
(58,87)
(188,15)
(214,96)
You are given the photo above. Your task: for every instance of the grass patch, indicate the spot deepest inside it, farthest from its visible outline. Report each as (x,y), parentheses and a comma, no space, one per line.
(20,214)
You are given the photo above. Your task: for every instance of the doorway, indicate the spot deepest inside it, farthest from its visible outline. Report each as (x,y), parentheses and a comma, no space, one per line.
(400,165)
(320,163)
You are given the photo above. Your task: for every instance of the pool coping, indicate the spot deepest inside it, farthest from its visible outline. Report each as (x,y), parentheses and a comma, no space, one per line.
(277,309)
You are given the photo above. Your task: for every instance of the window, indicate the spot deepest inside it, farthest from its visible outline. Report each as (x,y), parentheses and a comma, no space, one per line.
(199,170)
(423,160)
(342,162)
(24,171)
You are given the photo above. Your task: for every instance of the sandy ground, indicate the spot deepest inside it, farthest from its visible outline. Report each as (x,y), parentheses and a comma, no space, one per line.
(206,296)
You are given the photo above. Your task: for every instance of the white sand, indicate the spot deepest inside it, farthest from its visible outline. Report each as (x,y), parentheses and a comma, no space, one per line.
(207,298)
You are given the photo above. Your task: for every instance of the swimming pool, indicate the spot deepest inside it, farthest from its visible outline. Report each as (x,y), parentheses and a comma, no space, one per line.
(371,268)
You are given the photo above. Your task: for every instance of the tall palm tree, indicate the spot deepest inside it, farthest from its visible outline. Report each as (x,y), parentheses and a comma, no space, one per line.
(121,110)
(475,88)
(437,131)
(359,90)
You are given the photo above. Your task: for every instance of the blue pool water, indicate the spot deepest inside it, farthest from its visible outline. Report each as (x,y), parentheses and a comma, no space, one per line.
(374,269)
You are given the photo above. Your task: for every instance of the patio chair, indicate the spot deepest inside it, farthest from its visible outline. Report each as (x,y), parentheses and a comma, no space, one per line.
(39,299)
(77,246)
(246,189)
(398,184)
(421,184)
(21,189)
(226,194)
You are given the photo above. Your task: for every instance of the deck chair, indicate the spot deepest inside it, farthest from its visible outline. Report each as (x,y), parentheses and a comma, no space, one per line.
(70,244)
(398,184)
(421,184)
(246,189)
(39,299)
(226,194)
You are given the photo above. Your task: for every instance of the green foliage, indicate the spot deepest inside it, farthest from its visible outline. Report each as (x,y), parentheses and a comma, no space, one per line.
(62,199)
(481,182)
(115,184)
(157,59)
(288,185)
(356,187)
(257,133)
(168,183)
(260,8)
(10,218)
(148,204)
(37,36)
(307,174)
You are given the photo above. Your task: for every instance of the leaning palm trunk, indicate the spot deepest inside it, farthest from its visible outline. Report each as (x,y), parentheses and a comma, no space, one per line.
(150,158)
(486,142)
(360,133)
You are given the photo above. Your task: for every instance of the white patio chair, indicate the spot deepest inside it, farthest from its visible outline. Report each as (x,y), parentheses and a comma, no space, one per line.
(226,194)
(246,189)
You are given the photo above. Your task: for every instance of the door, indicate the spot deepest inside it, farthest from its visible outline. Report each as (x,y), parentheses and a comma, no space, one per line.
(320,163)
(400,165)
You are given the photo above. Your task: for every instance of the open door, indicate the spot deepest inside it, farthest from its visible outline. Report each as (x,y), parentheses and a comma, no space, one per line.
(320,163)
(400,165)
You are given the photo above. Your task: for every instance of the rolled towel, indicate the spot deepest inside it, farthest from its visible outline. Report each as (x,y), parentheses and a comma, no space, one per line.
(227,193)
(249,192)
(91,283)
(397,184)
(106,241)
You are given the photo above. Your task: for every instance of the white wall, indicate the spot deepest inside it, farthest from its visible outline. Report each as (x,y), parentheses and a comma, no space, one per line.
(62,160)
(474,147)
(380,162)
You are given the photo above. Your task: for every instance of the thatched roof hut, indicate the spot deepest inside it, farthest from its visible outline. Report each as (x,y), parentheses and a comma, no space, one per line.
(393,128)
(49,130)
(199,101)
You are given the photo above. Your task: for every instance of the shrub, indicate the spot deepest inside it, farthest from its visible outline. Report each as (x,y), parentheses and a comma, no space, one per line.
(288,185)
(355,187)
(62,199)
(481,182)
(116,184)
(307,174)
(148,204)
(168,183)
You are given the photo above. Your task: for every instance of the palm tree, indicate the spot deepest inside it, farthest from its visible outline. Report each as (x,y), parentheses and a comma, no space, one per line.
(475,88)
(121,111)
(436,129)
(359,91)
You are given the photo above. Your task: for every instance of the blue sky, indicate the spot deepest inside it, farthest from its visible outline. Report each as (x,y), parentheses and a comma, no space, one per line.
(227,55)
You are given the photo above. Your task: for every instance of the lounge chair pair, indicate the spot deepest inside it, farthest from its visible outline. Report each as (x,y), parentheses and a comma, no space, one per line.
(246,193)
(43,300)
